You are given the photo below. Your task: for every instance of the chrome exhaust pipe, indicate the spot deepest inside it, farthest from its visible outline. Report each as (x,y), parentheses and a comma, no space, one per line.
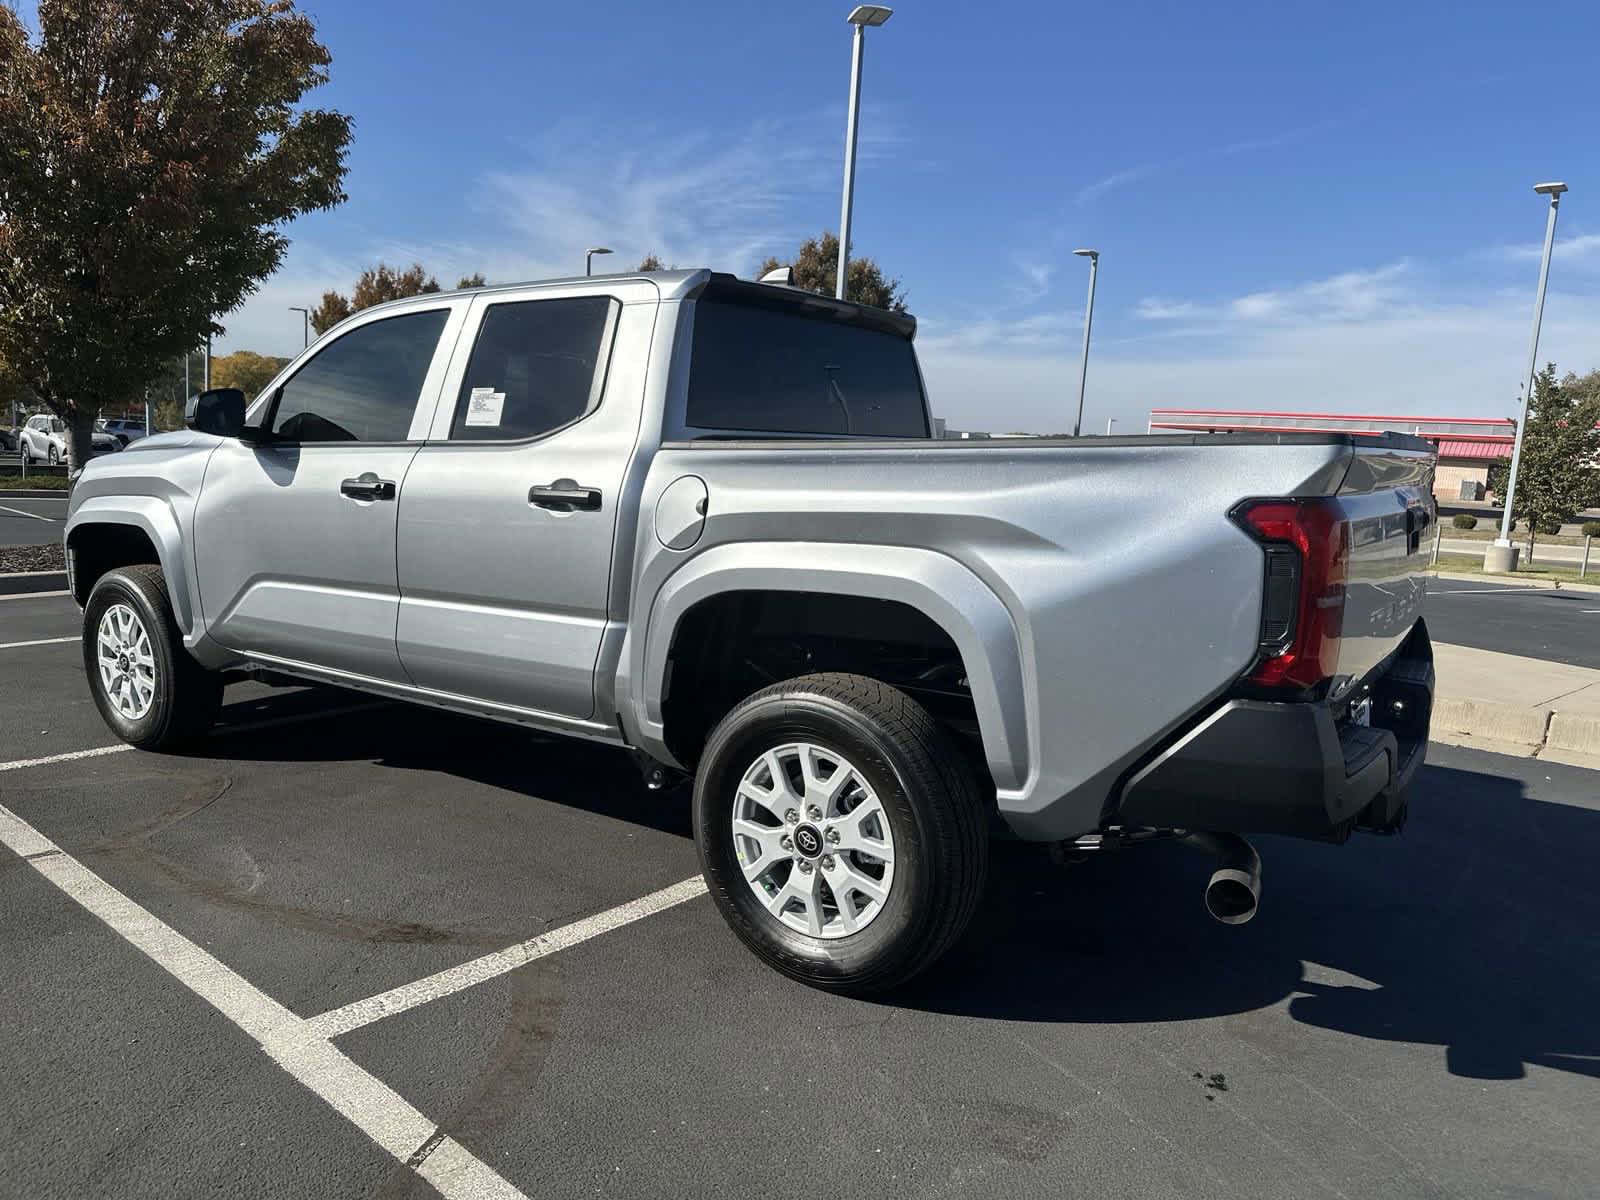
(1234,891)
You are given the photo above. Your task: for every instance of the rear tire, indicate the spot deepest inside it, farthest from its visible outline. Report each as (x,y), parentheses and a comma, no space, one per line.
(148,689)
(903,829)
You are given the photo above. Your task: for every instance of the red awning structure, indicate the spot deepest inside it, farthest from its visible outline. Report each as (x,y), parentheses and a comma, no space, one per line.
(1473,448)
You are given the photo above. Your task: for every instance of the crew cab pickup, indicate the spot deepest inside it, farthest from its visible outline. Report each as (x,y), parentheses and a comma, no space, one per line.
(705,520)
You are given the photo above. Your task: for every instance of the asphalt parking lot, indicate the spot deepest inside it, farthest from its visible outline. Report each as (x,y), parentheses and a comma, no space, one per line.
(1411,1016)
(1556,625)
(27,521)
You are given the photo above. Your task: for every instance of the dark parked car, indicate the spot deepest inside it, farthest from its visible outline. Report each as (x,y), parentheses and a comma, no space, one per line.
(8,441)
(123,430)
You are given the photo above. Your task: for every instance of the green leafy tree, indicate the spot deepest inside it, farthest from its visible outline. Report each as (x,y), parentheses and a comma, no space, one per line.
(376,285)
(150,153)
(245,370)
(816,268)
(475,280)
(1558,476)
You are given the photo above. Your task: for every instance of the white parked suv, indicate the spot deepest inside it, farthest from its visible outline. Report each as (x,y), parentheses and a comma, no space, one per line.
(44,439)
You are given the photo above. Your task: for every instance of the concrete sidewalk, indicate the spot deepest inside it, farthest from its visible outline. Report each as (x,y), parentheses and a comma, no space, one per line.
(1514,705)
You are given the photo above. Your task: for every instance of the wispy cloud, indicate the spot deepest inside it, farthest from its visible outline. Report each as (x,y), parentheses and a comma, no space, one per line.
(1118,178)
(726,200)
(1154,308)
(1093,191)
(1583,248)
(1349,295)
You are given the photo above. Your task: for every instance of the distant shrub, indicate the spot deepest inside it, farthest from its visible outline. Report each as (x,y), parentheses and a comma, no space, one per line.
(1549,528)
(1591,529)
(1464,521)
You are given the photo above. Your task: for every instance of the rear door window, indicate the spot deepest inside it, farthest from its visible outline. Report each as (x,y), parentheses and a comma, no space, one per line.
(536,366)
(777,370)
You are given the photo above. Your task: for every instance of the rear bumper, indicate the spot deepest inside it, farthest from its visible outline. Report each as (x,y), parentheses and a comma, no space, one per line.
(1260,767)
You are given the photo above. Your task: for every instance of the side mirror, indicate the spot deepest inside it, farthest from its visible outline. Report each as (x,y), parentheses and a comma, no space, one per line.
(219,411)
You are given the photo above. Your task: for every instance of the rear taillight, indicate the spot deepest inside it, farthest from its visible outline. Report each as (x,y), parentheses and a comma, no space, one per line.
(1307,549)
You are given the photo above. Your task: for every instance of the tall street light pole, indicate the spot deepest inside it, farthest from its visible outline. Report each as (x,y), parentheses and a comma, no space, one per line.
(1088,321)
(305,313)
(1502,556)
(861,16)
(588,257)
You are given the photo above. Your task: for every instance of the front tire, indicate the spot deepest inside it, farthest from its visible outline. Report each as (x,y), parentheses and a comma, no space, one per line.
(52,457)
(147,688)
(840,832)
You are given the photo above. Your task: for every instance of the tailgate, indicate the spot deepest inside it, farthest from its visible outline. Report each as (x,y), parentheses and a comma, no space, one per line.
(1387,497)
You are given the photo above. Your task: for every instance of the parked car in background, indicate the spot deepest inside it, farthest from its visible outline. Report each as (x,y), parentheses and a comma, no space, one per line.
(44,439)
(8,441)
(123,430)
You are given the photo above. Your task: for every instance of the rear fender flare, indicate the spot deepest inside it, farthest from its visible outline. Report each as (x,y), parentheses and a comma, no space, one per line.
(938,586)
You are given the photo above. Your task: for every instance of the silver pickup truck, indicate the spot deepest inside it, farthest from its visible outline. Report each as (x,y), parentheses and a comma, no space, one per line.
(704,519)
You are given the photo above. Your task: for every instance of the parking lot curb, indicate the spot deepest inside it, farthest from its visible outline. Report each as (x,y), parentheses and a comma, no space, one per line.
(1511,729)
(21,583)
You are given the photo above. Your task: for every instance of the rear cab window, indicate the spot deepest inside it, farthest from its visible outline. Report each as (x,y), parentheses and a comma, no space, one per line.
(777,366)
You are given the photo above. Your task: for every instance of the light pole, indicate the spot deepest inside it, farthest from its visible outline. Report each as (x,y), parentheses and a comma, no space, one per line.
(1502,556)
(861,16)
(306,313)
(588,257)
(1088,320)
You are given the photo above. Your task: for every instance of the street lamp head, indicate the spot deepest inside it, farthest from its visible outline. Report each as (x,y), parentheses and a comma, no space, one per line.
(870,14)
(598,250)
(1095,254)
(1550,189)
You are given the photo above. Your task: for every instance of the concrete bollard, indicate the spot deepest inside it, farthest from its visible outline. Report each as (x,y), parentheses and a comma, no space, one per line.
(1500,560)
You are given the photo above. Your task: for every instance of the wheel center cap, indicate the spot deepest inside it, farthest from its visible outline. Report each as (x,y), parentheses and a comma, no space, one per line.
(808,840)
(122,662)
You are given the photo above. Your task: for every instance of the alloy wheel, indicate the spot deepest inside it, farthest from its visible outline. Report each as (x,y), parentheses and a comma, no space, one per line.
(127,662)
(813,840)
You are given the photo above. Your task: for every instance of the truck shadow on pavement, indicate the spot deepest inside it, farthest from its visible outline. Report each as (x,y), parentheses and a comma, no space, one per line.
(1476,930)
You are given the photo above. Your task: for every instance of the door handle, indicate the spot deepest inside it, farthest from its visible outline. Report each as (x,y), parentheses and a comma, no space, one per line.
(368,487)
(565,495)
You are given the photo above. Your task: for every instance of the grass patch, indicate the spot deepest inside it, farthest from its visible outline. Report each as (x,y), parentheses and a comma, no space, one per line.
(1481,534)
(1542,571)
(54,483)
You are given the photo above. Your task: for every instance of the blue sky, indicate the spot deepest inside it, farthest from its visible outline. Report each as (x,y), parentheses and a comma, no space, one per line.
(1298,206)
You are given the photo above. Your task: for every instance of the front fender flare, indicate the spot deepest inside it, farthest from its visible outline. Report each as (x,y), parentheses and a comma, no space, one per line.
(154,516)
(938,586)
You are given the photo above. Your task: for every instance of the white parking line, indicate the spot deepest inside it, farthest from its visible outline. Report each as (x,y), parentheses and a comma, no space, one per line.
(34,595)
(35,516)
(40,642)
(367,1102)
(22,764)
(339,1021)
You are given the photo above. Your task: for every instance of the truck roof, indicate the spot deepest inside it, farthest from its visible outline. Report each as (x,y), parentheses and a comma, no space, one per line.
(687,283)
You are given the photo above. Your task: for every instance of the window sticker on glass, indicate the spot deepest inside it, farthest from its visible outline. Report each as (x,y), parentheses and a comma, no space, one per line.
(484,406)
